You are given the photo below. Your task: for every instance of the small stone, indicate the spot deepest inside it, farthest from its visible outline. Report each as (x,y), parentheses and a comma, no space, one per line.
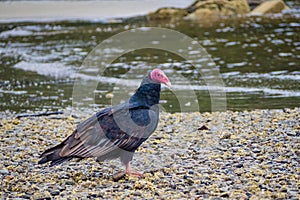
(191,172)
(239,171)
(256,150)
(173,185)
(293,134)
(283,161)
(119,176)
(202,128)
(186,176)
(225,135)
(45,195)
(54,192)
(240,165)
(109,95)
(168,129)
(4,171)
(137,193)
(235,149)
(69,182)
(93,195)
(224,195)
(180,172)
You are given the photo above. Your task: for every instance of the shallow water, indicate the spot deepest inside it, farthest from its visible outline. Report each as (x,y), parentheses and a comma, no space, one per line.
(257,57)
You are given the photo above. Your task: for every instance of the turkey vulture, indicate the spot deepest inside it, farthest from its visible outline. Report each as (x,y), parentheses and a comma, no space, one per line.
(117,131)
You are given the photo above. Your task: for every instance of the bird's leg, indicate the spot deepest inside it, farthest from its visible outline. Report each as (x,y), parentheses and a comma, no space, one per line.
(132,173)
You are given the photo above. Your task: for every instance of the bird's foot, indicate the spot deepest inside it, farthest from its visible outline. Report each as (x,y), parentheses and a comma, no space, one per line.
(129,172)
(134,173)
(122,174)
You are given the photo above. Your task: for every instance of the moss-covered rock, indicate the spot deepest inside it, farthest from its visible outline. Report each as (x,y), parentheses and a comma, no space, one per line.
(215,9)
(167,13)
(273,6)
(208,10)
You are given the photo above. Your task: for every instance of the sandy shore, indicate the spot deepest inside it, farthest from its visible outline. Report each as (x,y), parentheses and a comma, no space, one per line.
(255,156)
(83,10)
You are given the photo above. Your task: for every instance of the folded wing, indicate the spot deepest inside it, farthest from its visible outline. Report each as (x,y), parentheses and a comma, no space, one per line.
(106,134)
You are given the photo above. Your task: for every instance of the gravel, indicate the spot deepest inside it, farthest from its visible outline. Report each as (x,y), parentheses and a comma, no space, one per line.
(254,156)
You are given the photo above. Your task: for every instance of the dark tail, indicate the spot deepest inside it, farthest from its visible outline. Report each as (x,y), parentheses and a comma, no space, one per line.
(52,155)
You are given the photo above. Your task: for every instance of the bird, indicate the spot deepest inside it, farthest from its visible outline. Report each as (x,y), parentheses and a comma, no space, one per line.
(116,131)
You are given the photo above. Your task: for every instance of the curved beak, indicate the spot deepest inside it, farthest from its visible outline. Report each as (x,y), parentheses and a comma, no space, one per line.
(168,84)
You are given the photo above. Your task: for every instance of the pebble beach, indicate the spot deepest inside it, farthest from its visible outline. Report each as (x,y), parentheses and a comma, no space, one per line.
(254,156)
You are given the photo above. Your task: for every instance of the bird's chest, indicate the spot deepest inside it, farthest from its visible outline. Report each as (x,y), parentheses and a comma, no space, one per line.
(140,120)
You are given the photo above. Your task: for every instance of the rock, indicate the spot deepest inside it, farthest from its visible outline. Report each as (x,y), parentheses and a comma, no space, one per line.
(224,195)
(137,193)
(202,128)
(254,3)
(109,95)
(214,9)
(54,192)
(167,13)
(293,134)
(168,129)
(4,171)
(256,150)
(240,165)
(225,135)
(119,176)
(204,10)
(69,182)
(273,6)
(41,195)
(235,149)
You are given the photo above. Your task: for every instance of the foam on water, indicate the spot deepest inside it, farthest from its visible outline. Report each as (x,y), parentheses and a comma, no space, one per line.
(56,70)
(15,32)
(281,75)
(15,92)
(265,91)
(61,71)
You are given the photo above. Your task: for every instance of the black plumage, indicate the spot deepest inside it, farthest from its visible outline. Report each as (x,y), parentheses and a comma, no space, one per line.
(117,131)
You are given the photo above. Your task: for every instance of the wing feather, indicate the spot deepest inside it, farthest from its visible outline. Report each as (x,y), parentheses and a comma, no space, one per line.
(100,135)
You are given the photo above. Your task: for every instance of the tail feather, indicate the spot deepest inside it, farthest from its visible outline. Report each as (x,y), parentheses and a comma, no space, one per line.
(56,149)
(59,161)
(43,160)
(52,155)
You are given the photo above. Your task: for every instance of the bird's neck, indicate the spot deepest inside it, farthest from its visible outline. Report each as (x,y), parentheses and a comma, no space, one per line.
(148,94)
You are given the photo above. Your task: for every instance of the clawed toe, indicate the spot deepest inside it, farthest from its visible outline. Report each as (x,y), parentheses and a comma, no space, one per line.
(134,173)
(129,172)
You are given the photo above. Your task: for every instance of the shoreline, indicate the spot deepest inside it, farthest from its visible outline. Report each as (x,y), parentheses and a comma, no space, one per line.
(81,115)
(105,11)
(256,155)
(38,11)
